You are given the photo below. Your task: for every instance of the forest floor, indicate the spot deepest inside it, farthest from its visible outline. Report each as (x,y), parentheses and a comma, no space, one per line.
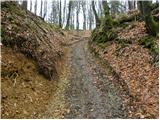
(86,87)
(90,93)
(92,90)
(85,90)
(115,79)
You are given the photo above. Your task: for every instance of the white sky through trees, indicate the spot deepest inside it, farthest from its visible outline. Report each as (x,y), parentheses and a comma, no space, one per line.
(49,7)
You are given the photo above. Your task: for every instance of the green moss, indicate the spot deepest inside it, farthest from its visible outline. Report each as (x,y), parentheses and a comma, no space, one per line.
(150,43)
(13,7)
(116,23)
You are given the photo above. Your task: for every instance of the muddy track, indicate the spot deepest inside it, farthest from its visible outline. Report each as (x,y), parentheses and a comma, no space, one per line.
(90,94)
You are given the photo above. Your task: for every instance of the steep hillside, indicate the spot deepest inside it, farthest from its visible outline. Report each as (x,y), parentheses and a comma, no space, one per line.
(133,56)
(30,62)
(29,34)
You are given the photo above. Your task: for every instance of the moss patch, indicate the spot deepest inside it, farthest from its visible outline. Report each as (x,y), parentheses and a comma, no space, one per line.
(150,43)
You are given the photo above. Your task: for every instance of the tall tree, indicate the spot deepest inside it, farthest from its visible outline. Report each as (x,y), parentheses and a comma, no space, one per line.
(151,25)
(60,14)
(105,8)
(64,11)
(69,14)
(77,14)
(115,7)
(35,7)
(107,21)
(130,4)
(24,4)
(31,5)
(45,9)
(98,22)
(41,8)
(100,9)
(84,14)
(90,17)
(54,17)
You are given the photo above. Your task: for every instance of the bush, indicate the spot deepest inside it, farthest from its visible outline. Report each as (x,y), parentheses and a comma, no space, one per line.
(100,36)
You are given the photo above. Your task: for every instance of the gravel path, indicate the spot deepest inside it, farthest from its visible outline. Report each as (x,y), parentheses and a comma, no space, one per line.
(90,94)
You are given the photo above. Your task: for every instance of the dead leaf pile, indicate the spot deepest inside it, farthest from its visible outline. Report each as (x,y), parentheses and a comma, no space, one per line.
(133,32)
(132,62)
(133,66)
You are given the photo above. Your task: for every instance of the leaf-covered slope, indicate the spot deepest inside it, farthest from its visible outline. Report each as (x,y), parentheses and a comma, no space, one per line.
(25,93)
(133,55)
(29,34)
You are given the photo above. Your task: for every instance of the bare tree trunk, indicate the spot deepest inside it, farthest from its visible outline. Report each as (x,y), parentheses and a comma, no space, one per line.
(41,8)
(95,14)
(90,16)
(130,5)
(31,5)
(69,14)
(77,14)
(45,9)
(64,12)
(35,8)
(24,4)
(60,14)
(84,14)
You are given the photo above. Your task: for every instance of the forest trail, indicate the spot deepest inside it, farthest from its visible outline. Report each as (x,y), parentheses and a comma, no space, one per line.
(84,90)
(90,94)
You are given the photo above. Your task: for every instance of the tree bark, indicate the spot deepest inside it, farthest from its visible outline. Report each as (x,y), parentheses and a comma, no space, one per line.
(69,15)
(107,21)
(77,14)
(151,25)
(31,5)
(60,14)
(35,8)
(41,8)
(105,8)
(24,4)
(45,9)
(84,14)
(130,5)
(96,15)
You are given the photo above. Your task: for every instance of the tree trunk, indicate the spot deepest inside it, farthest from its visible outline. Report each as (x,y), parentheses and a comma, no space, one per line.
(41,8)
(24,4)
(107,21)
(31,5)
(84,14)
(45,9)
(69,14)
(77,14)
(60,15)
(35,8)
(64,12)
(96,15)
(105,8)
(130,5)
(151,25)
